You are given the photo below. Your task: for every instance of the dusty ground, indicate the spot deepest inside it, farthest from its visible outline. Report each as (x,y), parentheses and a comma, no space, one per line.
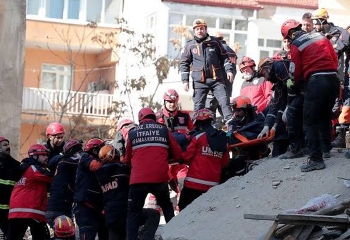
(218,214)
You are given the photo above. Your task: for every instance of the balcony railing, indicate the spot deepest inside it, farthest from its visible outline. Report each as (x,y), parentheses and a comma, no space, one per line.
(40,100)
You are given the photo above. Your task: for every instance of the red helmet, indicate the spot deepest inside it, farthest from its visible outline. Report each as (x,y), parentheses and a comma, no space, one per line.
(37,149)
(64,227)
(246,62)
(4,139)
(201,115)
(94,143)
(108,153)
(288,25)
(241,102)
(123,122)
(72,146)
(171,95)
(146,113)
(54,129)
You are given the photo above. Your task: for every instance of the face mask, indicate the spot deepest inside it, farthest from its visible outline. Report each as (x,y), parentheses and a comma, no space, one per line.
(76,156)
(247,76)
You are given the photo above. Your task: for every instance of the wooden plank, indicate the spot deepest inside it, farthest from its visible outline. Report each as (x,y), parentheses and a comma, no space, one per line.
(333,210)
(312,218)
(305,233)
(271,230)
(344,235)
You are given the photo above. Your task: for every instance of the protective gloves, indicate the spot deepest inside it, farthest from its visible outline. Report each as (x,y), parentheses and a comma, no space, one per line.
(290,83)
(264,132)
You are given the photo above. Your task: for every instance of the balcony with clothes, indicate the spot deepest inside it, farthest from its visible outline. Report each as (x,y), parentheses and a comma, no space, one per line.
(43,101)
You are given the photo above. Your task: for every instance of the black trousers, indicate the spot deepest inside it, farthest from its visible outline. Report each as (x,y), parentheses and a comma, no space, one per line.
(321,92)
(188,195)
(18,227)
(219,91)
(137,196)
(90,222)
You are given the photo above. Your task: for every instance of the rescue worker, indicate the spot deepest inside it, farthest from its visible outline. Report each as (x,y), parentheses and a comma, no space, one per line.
(64,228)
(55,142)
(339,38)
(180,124)
(317,71)
(245,125)
(29,196)
(293,112)
(205,57)
(123,128)
(254,87)
(148,149)
(277,72)
(113,178)
(63,183)
(307,24)
(88,199)
(9,174)
(206,155)
(212,103)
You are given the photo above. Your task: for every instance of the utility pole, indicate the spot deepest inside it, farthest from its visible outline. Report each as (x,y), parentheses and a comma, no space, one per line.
(12,40)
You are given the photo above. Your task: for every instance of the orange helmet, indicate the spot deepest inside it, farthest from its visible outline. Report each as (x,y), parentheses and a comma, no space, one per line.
(93,143)
(265,63)
(199,23)
(108,153)
(64,227)
(246,62)
(201,115)
(37,149)
(146,113)
(241,102)
(171,95)
(320,13)
(288,25)
(54,129)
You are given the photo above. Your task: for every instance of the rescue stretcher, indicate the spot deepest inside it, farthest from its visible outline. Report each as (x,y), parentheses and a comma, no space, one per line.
(238,166)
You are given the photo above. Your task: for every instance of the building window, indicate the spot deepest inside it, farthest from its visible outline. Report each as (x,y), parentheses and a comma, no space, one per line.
(56,77)
(261,42)
(69,9)
(93,10)
(273,43)
(225,23)
(73,9)
(241,25)
(54,8)
(33,7)
(264,54)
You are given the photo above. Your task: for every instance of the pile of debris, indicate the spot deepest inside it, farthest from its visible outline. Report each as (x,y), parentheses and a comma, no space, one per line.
(320,225)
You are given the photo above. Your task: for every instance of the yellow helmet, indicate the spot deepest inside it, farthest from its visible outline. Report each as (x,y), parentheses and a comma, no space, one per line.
(320,13)
(199,23)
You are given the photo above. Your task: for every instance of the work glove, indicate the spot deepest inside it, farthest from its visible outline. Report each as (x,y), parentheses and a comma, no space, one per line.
(264,132)
(290,83)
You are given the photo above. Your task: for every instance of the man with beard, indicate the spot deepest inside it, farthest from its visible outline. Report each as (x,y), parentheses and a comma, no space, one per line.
(9,174)
(205,57)
(55,134)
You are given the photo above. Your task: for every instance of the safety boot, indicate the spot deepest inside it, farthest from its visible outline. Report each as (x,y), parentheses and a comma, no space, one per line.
(339,141)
